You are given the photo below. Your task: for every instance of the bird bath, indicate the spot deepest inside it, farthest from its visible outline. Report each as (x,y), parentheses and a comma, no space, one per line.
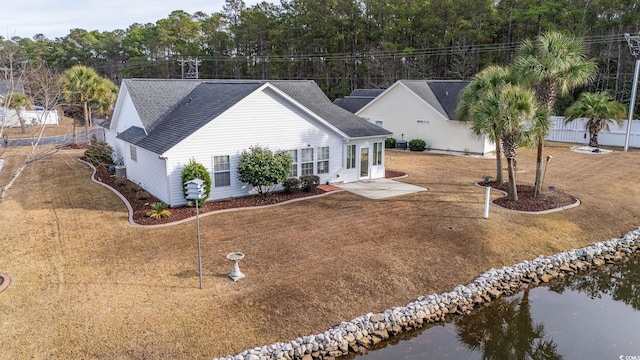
(236,274)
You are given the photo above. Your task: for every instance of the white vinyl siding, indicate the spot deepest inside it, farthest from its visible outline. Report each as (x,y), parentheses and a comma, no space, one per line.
(262,118)
(221,171)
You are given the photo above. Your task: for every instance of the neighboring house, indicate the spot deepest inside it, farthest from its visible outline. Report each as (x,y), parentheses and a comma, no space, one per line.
(358,99)
(9,118)
(159,125)
(425,109)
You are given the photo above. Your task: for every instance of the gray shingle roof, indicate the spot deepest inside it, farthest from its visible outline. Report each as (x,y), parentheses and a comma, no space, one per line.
(358,99)
(171,110)
(311,96)
(441,94)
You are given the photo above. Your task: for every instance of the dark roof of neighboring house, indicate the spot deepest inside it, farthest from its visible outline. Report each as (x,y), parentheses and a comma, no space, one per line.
(171,110)
(358,99)
(443,95)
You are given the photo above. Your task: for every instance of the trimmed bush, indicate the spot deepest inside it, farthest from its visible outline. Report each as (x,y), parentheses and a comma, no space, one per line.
(390,143)
(309,182)
(417,145)
(99,154)
(263,168)
(291,185)
(195,170)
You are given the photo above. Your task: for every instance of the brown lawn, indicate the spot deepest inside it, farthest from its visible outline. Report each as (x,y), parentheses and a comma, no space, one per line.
(64,127)
(86,284)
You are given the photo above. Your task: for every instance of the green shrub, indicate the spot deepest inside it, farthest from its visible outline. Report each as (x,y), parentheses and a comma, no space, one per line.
(291,185)
(99,154)
(263,168)
(417,145)
(195,170)
(159,211)
(390,143)
(309,182)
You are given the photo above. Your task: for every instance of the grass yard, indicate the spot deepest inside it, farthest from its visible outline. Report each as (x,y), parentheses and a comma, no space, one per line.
(86,284)
(64,127)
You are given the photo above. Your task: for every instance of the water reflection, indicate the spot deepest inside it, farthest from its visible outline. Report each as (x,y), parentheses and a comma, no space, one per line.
(585,316)
(621,282)
(506,331)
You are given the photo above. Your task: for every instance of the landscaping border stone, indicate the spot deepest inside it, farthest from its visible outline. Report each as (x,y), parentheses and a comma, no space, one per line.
(363,332)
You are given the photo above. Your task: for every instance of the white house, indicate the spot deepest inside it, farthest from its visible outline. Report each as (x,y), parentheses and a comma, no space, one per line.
(159,125)
(9,117)
(423,109)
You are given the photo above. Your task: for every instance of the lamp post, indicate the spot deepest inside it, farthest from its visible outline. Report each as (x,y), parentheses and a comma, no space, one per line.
(634,46)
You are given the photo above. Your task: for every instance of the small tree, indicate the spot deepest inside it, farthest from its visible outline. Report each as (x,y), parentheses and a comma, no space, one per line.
(263,168)
(600,109)
(195,170)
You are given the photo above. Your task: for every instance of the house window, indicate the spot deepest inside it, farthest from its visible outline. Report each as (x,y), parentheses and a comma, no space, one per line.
(377,153)
(323,160)
(294,164)
(134,152)
(379,123)
(351,156)
(306,162)
(221,171)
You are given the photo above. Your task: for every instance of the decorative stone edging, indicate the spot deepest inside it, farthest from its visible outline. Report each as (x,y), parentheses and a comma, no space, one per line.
(359,334)
(133,223)
(5,282)
(504,193)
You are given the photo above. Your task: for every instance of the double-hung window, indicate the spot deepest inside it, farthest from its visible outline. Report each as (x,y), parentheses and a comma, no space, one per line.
(294,163)
(306,162)
(351,156)
(221,171)
(323,160)
(377,153)
(133,151)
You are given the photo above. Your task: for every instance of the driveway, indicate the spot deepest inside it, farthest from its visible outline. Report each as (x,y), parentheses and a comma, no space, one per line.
(380,188)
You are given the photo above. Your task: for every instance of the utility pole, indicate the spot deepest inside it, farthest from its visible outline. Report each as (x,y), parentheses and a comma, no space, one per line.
(634,46)
(192,71)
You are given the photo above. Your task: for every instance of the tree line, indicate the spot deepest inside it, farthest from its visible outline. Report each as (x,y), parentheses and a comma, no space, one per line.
(347,44)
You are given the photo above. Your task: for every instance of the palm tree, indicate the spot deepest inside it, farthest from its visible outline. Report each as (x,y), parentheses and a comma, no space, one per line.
(18,102)
(511,111)
(79,87)
(488,81)
(600,109)
(553,65)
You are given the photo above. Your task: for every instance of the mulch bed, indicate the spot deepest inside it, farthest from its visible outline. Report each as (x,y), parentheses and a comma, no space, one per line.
(140,199)
(546,199)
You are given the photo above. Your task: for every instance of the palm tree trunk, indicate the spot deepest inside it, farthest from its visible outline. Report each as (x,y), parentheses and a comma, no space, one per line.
(513,190)
(23,124)
(499,161)
(86,122)
(538,183)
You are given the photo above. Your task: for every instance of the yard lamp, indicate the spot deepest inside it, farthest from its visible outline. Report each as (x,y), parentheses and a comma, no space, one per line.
(196,191)
(634,46)
(549,157)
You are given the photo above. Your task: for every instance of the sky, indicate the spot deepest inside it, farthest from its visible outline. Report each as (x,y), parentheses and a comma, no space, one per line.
(55,18)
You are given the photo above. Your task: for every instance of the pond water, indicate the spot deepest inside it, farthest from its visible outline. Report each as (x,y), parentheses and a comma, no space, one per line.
(587,316)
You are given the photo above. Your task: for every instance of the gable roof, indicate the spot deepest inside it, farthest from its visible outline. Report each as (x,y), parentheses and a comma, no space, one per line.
(442,95)
(171,110)
(358,99)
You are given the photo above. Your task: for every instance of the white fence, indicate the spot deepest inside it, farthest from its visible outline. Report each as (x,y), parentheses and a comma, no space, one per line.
(576,132)
(31,117)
